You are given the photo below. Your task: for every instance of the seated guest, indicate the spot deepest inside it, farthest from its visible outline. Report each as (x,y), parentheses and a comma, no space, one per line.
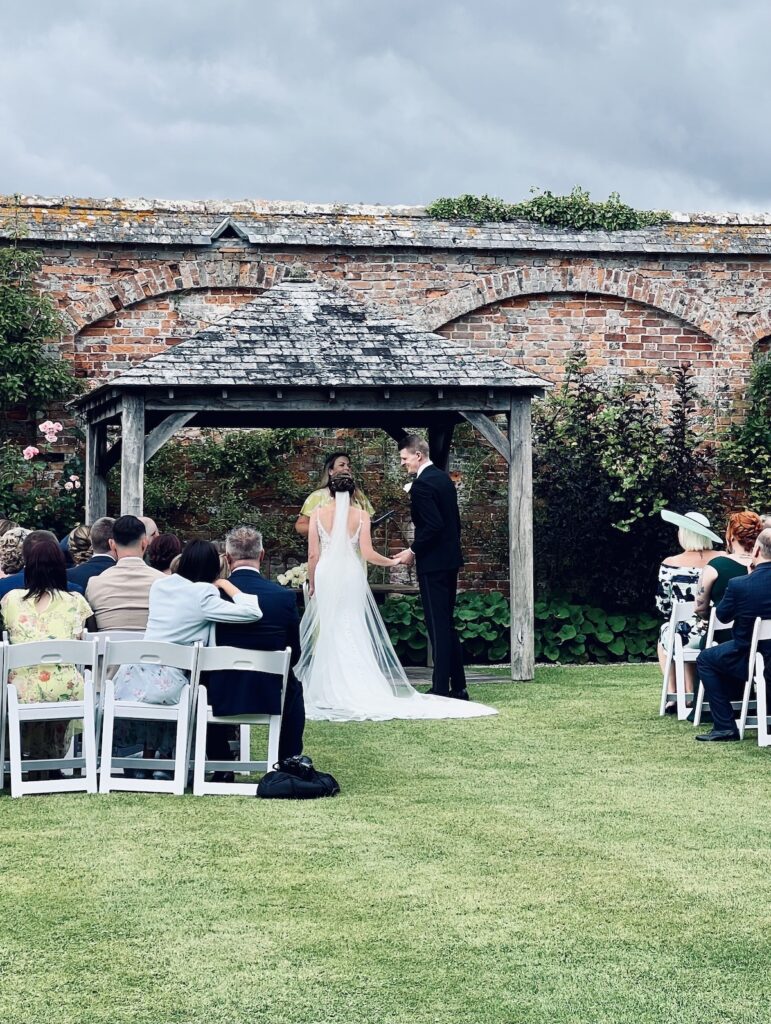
(19,546)
(723,670)
(182,610)
(101,559)
(7,524)
(11,558)
(150,528)
(120,596)
(162,550)
(79,544)
(242,693)
(45,611)
(679,577)
(740,535)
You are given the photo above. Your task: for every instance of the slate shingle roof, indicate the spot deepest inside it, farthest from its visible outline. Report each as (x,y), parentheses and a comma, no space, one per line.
(307,335)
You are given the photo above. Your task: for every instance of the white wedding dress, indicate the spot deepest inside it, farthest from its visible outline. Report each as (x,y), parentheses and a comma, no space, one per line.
(348,667)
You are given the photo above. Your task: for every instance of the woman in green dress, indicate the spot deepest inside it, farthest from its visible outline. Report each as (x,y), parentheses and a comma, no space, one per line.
(740,535)
(337,462)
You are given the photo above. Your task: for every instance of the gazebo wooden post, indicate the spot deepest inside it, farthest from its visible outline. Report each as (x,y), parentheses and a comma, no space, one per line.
(96,474)
(439,442)
(521,538)
(132,456)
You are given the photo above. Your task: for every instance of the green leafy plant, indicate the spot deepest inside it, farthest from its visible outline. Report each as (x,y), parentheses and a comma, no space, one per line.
(605,460)
(745,452)
(564,631)
(37,495)
(575,210)
(31,374)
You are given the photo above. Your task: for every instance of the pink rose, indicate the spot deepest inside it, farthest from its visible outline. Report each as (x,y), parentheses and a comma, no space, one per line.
(30,452)
(46,427)
(68,486)
(57,426)
(74,478)
(51,438)
(77,485)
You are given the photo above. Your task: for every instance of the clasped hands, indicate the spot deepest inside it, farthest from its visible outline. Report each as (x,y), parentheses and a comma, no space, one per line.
(405,557)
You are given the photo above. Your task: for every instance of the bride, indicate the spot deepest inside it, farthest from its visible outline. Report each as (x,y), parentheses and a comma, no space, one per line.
(348,667)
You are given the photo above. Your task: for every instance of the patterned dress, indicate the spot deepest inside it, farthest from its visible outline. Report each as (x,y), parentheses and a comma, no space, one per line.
(679,583)
(322,497)
(63,619)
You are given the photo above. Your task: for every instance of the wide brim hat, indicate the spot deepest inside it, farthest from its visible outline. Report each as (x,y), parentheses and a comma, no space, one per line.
(693,521)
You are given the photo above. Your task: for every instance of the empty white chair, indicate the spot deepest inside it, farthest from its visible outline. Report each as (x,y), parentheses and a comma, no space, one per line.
(215,659)
(146,652)
(682,611)
(79,653)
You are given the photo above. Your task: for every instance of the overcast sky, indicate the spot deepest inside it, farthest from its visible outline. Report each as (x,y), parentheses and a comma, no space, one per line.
(389,101)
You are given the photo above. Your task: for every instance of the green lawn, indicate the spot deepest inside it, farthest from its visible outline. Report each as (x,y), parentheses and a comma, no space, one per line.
(574,859)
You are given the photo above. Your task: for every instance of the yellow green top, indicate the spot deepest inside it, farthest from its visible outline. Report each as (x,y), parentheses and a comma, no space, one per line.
(322,497)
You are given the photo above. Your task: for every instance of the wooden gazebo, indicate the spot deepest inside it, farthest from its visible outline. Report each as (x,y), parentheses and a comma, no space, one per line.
(306,355)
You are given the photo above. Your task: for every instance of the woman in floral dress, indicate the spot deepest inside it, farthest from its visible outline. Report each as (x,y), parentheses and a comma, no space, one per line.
(45,610)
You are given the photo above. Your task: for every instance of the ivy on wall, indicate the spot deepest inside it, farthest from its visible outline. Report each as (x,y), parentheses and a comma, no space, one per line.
(575,210)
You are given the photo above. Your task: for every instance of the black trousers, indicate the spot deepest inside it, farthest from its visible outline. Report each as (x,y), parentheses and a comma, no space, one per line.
(721,686)
(290,741)
(437,592)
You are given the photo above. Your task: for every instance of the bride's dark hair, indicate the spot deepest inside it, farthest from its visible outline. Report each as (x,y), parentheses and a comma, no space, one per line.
(341,482)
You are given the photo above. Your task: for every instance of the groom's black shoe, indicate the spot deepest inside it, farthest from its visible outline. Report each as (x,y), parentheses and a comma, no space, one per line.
(435,693)
(460,694)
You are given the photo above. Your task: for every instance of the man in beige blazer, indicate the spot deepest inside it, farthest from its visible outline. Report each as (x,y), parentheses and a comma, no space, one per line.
(120,596)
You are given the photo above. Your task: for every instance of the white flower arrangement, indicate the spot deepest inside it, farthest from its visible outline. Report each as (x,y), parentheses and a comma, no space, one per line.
(294,577)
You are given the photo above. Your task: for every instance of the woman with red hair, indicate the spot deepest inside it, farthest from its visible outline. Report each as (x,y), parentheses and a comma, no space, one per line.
(740,536)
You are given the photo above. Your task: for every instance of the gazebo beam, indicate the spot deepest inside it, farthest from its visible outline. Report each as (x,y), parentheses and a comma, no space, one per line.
(439,442)
(521,539)
(165,430)
(490,432)
(96,472)
(132,456)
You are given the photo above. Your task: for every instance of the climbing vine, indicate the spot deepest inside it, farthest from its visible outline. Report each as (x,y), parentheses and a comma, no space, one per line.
(575,210)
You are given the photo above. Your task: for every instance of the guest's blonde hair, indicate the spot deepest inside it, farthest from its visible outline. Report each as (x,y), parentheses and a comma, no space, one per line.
(80,544)
(691,541)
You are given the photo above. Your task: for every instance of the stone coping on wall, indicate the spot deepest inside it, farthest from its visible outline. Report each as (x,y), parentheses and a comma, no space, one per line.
(161,222)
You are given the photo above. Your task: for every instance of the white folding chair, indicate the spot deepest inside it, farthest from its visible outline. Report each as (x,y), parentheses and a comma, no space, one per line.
(682,611)
(216,659)
(101,637)
(146,652)
(702,704)
(78,653)
(3,715)
(744,707)
(761,631)
(764,732)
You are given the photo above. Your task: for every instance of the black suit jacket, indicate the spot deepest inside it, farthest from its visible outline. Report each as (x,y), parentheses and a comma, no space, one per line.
(434,504)
(244,693)
(746,599)
(96,565)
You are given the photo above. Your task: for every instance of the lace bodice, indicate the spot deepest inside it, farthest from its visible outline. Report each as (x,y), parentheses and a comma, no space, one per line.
(326,538)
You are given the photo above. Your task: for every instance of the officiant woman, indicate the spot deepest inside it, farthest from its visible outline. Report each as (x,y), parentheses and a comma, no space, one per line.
(334,464)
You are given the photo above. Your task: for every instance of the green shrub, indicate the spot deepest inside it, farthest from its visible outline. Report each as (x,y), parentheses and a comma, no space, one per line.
(575,210)
(564,632)
(745,453)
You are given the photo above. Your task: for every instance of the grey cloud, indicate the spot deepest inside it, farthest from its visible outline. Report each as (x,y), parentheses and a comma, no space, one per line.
(357,100)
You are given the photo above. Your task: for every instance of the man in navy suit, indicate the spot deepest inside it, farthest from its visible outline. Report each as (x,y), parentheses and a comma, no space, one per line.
(724,669)
(437,555)
(242,693)
(101,535)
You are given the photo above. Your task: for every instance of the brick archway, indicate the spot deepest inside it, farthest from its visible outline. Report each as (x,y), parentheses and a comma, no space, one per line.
(156,282)
(543,280)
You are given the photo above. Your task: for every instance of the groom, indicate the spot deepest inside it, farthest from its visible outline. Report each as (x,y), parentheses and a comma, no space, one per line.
(437,557)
